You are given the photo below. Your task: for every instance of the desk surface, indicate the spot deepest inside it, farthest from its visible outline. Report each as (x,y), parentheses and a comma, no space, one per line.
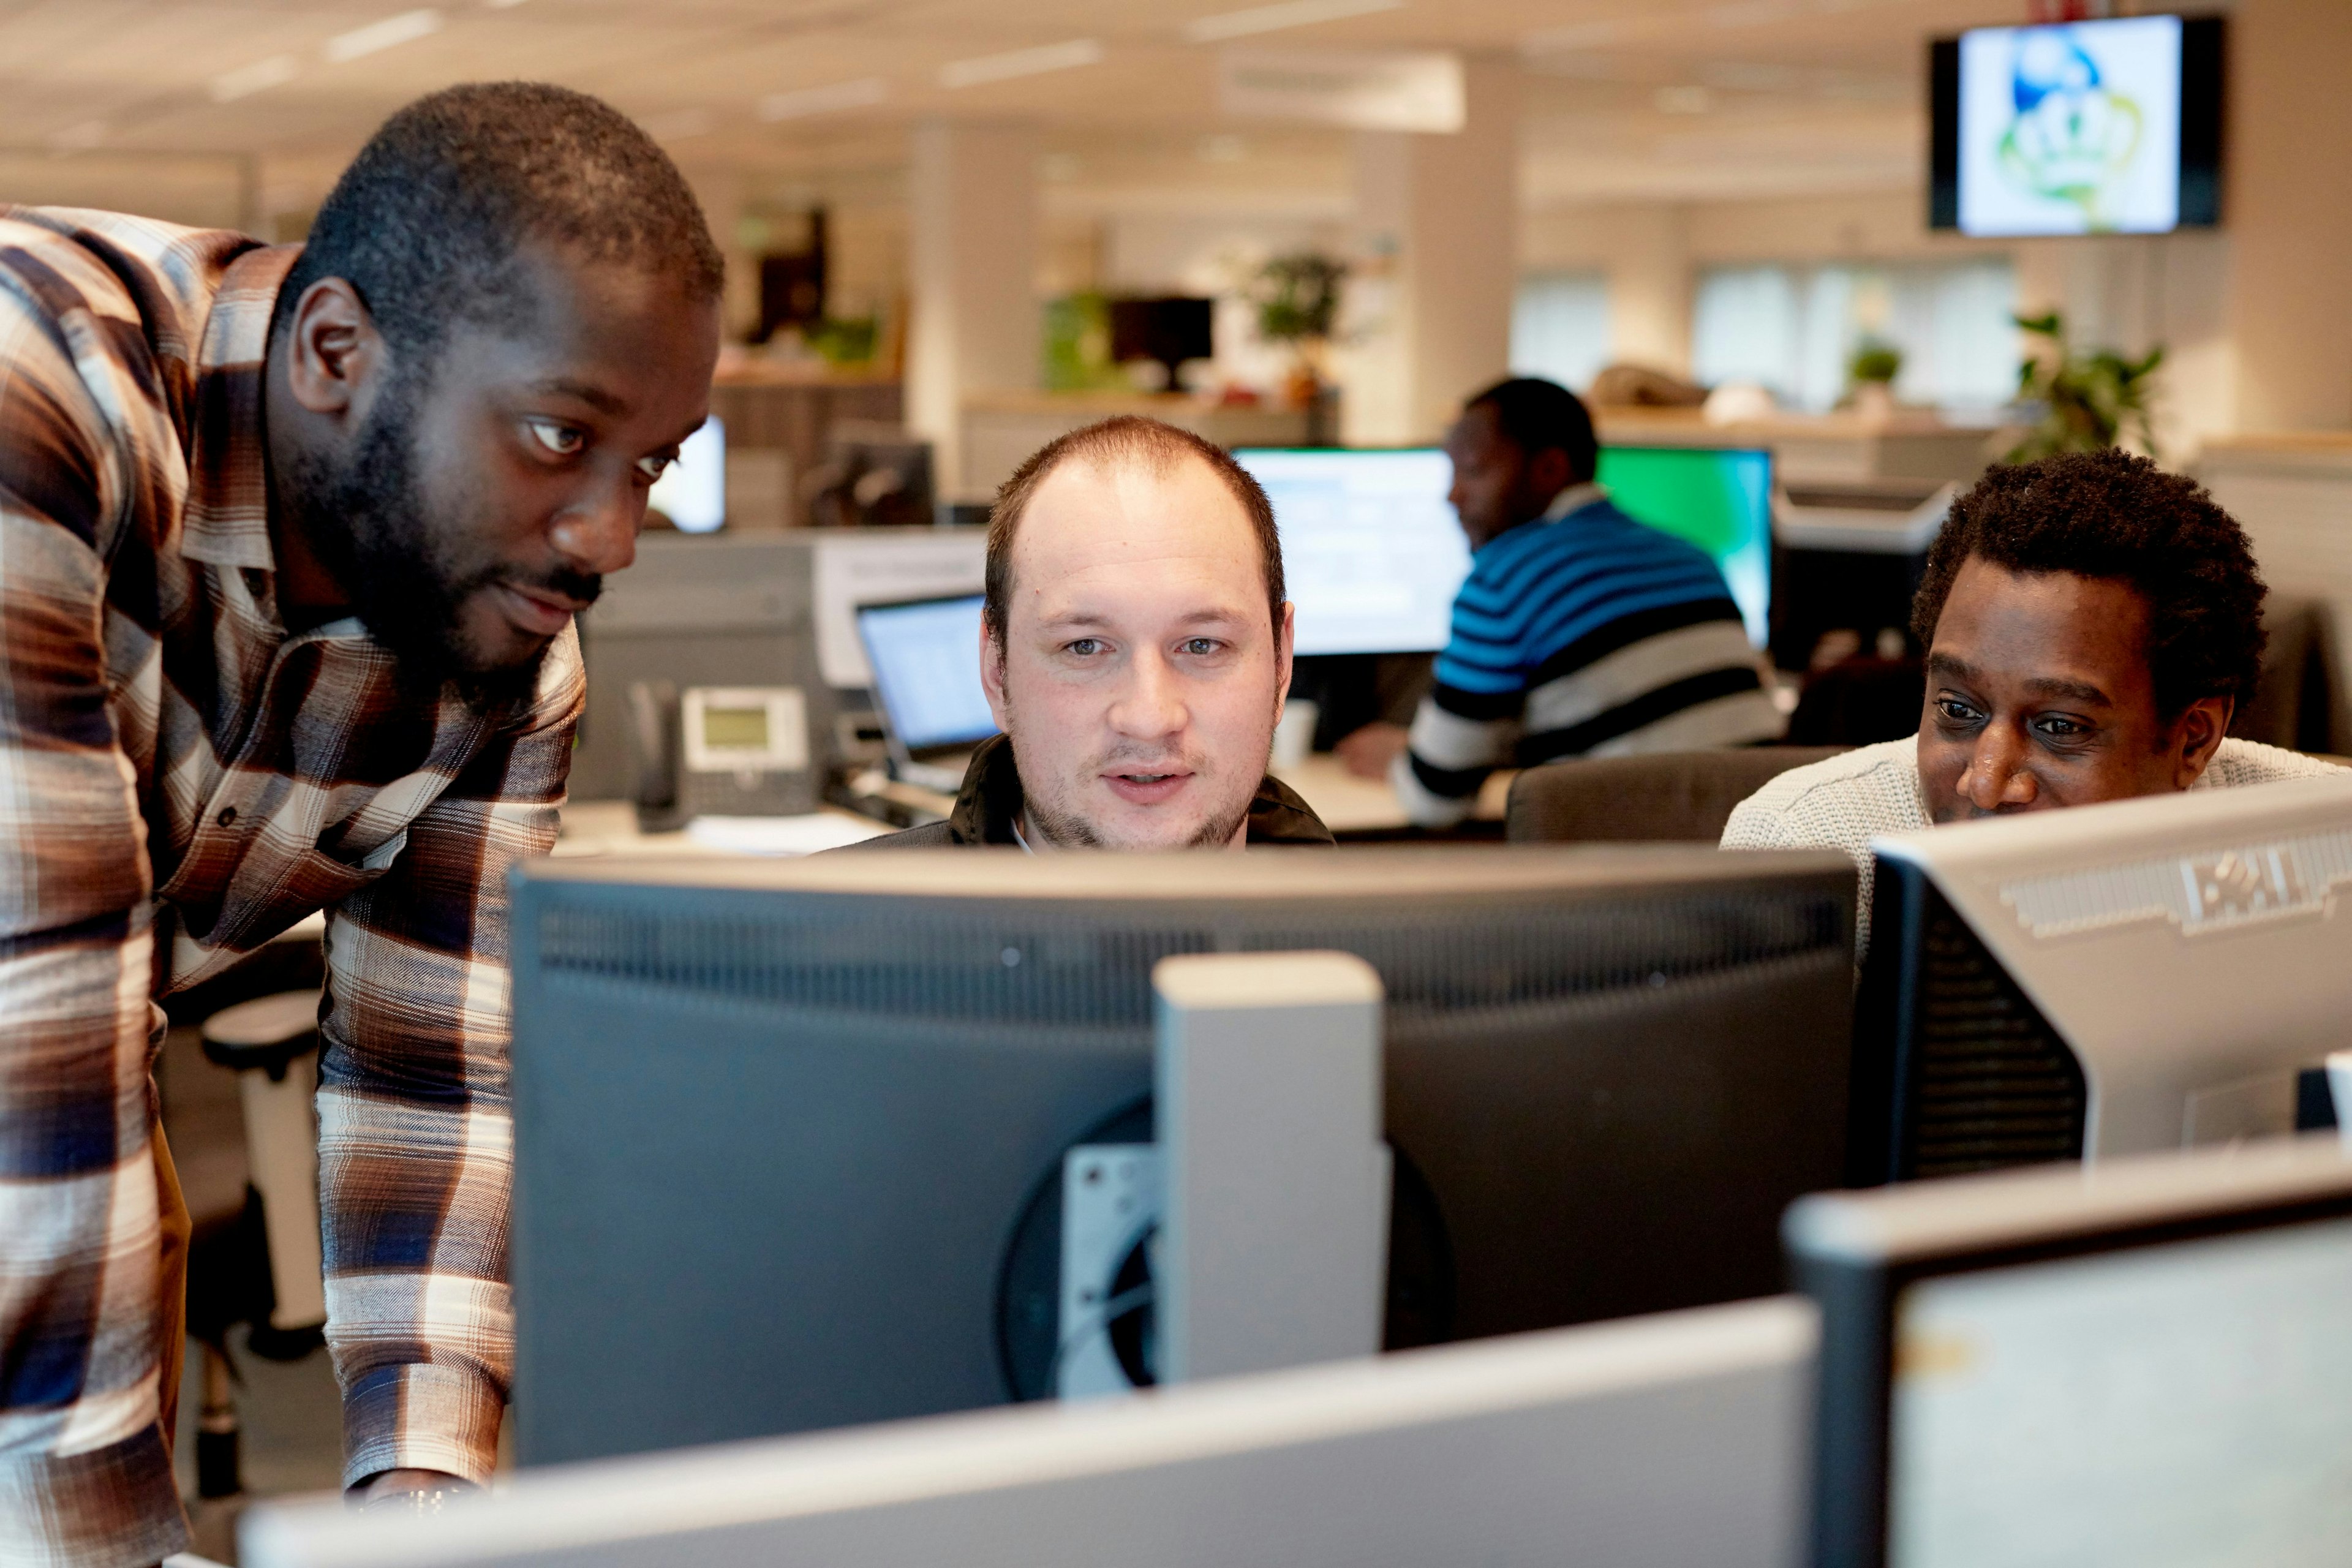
(1345,802)
(609,827)
(1350,805)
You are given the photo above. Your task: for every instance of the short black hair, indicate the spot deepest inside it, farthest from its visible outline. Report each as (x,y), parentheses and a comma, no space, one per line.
(1541,415)
(427,222)
(2116,516)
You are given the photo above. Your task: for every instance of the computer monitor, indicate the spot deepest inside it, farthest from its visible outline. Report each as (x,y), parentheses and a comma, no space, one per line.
(2148,1360)
(789,1135)
(1717,498)
(1170,330)
(1659,1443)
(2111,125)
(1373,555)
(692,492)
(925,655)
(1372,552)
(2106,979)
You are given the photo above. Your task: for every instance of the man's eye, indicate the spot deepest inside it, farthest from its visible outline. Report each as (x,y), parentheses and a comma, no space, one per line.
(563,441)
(1955,712)
(1086,648)
(1201,648)
(654,466)
(2064,729)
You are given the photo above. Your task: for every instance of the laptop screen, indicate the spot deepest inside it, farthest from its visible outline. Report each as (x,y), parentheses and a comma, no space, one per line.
(926,659)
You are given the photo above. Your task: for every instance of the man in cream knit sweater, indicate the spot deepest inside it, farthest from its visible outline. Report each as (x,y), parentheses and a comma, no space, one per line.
(2092,625)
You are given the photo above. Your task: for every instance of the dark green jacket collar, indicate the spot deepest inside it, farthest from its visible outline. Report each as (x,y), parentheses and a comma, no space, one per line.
(991,802)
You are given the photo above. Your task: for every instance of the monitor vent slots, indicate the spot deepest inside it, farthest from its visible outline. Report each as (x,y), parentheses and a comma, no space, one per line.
(1065,966)
(1996,1086)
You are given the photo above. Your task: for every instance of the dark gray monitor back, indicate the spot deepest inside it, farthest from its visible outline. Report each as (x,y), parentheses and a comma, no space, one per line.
(728,610)
(776,1126)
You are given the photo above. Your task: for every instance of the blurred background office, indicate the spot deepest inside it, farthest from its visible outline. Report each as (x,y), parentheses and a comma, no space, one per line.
(956,228)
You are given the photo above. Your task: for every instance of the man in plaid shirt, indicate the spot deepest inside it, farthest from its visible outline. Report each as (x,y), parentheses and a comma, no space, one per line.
(290,543)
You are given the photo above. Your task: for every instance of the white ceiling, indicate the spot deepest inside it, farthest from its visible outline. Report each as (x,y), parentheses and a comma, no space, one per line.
(1620,98)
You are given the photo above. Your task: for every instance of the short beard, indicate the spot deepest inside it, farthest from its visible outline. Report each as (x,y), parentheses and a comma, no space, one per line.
(368,520)
(1067,830)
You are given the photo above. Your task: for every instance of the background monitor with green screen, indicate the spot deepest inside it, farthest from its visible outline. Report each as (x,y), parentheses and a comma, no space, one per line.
(1720,499)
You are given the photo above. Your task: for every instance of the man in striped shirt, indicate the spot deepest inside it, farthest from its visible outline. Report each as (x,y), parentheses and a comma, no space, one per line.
(290,543)
(1580,632)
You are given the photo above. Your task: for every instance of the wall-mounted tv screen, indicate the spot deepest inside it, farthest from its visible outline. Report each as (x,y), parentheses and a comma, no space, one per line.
(2106,127)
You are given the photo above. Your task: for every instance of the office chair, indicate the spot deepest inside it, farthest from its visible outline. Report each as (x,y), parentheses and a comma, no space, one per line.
(1663,796)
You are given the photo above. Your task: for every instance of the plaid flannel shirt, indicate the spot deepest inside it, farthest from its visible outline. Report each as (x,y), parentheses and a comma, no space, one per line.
(180,780)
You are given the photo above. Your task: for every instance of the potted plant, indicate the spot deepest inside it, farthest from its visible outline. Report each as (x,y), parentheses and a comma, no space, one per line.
(1870,375)
(2084,402)
(1297,300)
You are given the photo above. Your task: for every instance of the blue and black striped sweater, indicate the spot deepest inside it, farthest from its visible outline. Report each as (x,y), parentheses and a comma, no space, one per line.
(1584,633)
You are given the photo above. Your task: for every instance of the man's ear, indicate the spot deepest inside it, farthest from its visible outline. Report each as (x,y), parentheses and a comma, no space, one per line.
(1286,636)
(335,358)
(1550,472)
(992,672)
(2197,735)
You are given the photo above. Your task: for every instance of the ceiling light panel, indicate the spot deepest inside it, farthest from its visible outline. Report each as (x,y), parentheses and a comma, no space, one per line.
(1275,18)
(376,36)
(1021,62)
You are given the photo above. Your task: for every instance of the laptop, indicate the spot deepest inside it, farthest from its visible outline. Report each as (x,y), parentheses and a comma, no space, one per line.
(925,655)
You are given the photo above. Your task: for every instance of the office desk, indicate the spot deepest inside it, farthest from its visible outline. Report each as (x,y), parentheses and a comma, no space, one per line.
(1349,807)
(1348,804)
(609,827)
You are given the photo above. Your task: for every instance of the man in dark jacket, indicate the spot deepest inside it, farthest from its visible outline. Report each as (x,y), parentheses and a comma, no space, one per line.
(1135,648)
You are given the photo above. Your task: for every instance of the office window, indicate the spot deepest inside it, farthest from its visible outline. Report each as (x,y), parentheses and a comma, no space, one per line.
(1793,328)
(1559,327)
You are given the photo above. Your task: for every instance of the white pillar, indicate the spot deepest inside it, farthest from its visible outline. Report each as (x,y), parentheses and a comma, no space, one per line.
(720,192)
(2291,230)
(1437,216)
(971,265)
(1650,287)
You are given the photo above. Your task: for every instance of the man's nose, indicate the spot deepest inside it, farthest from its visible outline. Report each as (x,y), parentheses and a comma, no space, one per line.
(1150,705)
(598,533)
(1997,775)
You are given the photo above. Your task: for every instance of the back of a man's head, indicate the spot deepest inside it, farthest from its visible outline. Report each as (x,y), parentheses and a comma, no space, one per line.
(429,222)
(2113,516)
(1111,445)
(1538,416)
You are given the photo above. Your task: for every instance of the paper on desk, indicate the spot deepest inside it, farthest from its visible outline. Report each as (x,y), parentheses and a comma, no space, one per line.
(781,835)
(879,569)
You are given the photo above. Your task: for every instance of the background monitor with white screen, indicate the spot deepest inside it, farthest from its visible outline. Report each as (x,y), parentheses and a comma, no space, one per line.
(2096,127)
(925,655)
(692,492)
(2152,1364)
(1372,553)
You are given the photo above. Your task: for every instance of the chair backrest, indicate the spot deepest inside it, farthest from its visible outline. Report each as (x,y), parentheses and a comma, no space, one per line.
(2298,704)
(1662,796)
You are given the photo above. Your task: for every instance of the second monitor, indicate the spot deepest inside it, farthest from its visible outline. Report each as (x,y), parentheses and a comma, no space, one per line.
(1372,553)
